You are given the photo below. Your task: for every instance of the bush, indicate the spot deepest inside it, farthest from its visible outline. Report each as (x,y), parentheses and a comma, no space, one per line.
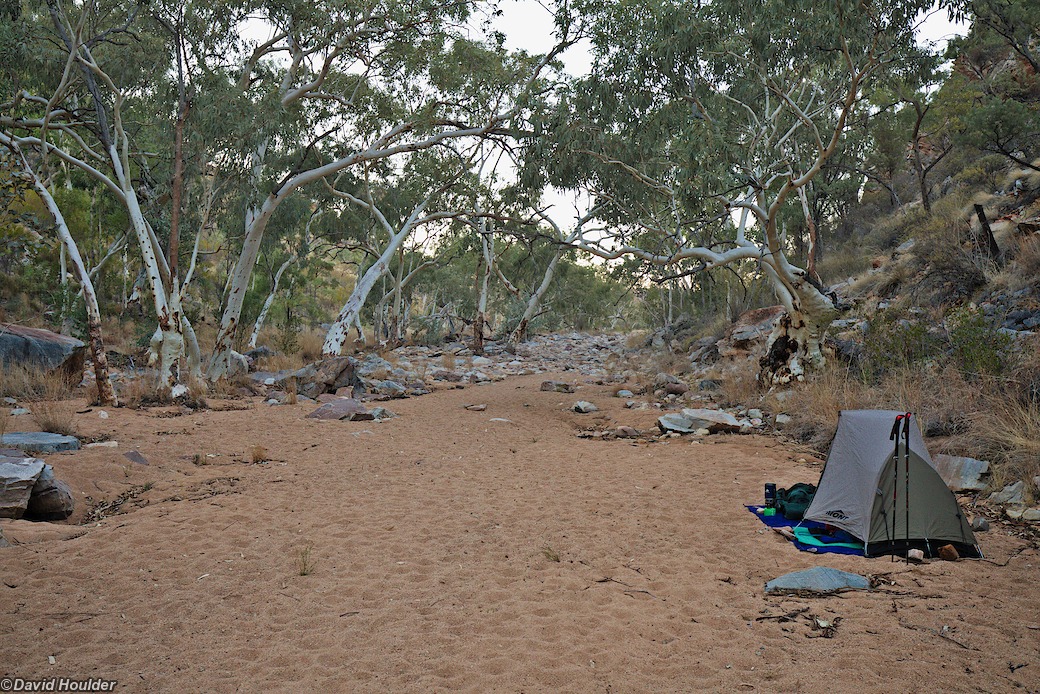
(977,347)
(894,342)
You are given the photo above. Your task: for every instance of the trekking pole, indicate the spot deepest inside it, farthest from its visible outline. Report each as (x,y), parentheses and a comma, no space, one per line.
(895,478)
(906,487)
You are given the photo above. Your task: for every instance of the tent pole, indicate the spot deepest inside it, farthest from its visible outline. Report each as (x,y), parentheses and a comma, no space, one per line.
(895,480)
(906,487)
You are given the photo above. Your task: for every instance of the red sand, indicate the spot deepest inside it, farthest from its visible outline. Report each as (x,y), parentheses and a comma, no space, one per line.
(429,542)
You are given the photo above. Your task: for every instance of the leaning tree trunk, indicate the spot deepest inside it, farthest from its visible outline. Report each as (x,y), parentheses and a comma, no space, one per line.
(267,304)
(519,334)
(349,314)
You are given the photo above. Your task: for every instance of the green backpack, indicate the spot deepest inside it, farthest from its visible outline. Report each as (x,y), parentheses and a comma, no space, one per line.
(793,502)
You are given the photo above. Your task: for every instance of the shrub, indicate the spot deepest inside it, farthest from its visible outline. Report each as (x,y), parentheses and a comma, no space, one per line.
(977,347)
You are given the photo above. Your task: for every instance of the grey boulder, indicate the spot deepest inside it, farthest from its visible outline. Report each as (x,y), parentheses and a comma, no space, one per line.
(17,478)
(42,349)
(690,420)
(962,474)
(51,499)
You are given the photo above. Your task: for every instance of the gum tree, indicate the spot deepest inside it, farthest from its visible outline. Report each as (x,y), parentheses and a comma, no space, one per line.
(701,123)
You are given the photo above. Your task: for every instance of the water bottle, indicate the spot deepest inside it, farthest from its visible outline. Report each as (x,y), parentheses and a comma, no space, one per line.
(770,495)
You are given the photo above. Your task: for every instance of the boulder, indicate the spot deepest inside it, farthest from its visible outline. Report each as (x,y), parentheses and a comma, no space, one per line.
(749,331)
(962,474)
(17,478)
(819,579)
(713,420)
(42,349)
(312,380)
(51,498)
(677,423)
(1011,494)
(392,389)
(676,388)
(381,413)
(40,441)
(662,379)
(238,365)
(342,408)
(979,524)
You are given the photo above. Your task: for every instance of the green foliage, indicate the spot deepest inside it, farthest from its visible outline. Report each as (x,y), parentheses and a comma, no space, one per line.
(893,342)
(977,347)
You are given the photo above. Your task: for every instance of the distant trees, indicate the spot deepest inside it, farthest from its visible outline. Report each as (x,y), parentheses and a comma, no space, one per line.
(999,65)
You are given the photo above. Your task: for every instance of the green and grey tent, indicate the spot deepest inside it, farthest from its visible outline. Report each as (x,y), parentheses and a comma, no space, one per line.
(880,485)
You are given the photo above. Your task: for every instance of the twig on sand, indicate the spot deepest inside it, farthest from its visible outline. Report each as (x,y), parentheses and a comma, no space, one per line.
(632,590)
(943,633)
(789,617)
(1010,556)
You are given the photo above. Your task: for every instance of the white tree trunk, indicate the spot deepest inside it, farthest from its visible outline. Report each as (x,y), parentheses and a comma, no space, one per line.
(793,348)
(267,304)
(256,223)
(168,342)
(106,395)
(487,247)
(349,315)
(519,334)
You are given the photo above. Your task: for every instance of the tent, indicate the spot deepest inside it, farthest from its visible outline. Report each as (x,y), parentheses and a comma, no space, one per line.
(881,486)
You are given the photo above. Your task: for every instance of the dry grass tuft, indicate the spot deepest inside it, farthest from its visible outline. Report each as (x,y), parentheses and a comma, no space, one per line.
(740,384)
(52,407)
(310,346)
(305,561)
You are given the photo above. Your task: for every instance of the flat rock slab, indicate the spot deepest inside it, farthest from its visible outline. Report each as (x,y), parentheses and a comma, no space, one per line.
(343,408)
(689,421)
(40,441)
(962,474)
(136,457)
(819,579)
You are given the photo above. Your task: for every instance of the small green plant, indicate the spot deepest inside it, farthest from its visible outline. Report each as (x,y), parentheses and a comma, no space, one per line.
(305,560)
(551,554)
